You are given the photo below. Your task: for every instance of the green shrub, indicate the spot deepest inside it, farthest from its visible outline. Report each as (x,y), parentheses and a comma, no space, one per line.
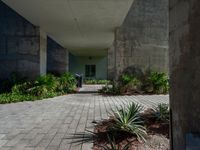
(162,112)
(138,82)
(103,82)
(49,81)
(127,119)
(96,81)
(157,82)
(91,81)
(13,98)
(67,83)
(44,87)
(126,78)
(22,88)
(113,89)
(132,86)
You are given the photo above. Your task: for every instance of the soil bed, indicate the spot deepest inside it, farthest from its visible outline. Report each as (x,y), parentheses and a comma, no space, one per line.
(158,134)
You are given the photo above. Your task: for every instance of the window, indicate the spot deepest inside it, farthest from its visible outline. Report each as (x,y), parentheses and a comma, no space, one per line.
(90,71)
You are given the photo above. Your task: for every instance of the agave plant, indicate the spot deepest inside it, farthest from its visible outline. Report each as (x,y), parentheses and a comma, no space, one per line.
(128,119)
(162,112)
(113,146)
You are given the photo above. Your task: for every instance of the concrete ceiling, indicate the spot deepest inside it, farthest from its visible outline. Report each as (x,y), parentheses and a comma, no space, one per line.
(85,27)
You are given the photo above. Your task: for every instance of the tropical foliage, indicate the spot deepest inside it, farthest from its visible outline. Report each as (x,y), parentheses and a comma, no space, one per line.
(139,82)
(43,87)
(92,81)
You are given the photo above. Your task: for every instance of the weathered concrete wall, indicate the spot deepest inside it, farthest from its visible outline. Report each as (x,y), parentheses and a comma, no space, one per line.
(57,58)
(185,71)
(142,40)
(20,45)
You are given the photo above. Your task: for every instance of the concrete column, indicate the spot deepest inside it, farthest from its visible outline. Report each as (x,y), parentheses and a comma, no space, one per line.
(185,73)
(142,40)
(111,63)
(43,53)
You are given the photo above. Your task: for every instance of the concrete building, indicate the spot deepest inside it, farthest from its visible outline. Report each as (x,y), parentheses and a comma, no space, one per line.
(36,37)
(88,38)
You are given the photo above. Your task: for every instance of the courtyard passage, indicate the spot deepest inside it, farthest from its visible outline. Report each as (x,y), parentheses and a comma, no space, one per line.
(48,124)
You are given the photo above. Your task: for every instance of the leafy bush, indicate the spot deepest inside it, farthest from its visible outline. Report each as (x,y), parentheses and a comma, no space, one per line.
(113,89)
(162,112)
(157,82)
(13,98)
(22,88)
(44,87)
(139,82)
(67,83)
(49,81)
(132,86)
(126,78)
(97,81)
(128,119)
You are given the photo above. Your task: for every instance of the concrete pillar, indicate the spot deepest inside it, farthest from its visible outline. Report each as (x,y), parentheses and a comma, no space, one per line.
(57,58)
(22,46)
(111,63)
(43,53)
(142,40)
(185,73)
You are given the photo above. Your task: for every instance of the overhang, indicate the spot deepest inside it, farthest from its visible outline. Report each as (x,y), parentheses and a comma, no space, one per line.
(85,27)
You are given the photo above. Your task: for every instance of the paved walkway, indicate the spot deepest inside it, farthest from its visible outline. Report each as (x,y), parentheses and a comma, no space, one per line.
(46,125)
(90,88)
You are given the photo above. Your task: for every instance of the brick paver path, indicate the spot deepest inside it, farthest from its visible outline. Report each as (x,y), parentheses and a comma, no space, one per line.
(46,124)
(90,88)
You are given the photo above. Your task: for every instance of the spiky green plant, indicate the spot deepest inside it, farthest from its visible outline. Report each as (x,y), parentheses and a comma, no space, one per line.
(162,112)
(127,119)
(111,145)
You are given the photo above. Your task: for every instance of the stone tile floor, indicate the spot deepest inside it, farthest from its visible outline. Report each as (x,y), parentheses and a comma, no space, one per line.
(47,124)
(90,88)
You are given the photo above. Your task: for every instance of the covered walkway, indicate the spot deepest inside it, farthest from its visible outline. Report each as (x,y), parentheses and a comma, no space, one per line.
(46,124)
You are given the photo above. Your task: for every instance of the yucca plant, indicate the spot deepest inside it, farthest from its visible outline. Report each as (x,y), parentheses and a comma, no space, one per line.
(111,145)
(127,118)
(162,112)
